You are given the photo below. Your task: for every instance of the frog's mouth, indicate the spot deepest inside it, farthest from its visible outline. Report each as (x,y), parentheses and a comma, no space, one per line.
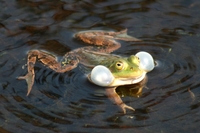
(102,76)
(127,81)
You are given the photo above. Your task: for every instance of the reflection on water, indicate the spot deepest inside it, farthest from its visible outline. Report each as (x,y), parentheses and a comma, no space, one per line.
(68,102)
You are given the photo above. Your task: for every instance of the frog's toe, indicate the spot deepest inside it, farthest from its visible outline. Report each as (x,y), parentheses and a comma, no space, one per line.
(21,77)
(124,107)
(29,80)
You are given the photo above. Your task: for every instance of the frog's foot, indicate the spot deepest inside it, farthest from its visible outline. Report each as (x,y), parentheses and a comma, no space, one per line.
(29,77)
(123,106)
(126,37)
(122,35)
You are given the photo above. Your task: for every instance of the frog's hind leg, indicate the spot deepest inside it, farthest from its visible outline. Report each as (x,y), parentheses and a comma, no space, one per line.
(104,42)
(29,77)
(101,38)
(47,60)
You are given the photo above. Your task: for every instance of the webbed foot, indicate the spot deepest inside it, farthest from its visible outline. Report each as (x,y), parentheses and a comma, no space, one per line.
(126,37)
(122,35)
(29,77)
(123,106)
(117,100)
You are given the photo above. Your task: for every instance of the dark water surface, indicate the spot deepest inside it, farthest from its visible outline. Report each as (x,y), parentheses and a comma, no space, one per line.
(67,102)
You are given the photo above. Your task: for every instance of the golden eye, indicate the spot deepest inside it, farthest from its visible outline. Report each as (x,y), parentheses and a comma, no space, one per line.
(119,65)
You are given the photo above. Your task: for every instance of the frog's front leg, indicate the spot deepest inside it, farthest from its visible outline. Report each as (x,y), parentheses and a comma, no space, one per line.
(47,60)
(111,92)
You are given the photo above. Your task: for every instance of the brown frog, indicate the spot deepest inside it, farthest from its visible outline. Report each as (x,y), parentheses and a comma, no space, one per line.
(123,70)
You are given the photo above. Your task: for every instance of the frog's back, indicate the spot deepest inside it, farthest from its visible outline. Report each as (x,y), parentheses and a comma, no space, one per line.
(91,58)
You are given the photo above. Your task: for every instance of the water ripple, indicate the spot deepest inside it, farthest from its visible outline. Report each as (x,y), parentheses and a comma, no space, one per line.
(68,102)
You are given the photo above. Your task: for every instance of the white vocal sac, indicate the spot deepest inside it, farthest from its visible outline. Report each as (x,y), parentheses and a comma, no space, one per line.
(146,61)
(101,76)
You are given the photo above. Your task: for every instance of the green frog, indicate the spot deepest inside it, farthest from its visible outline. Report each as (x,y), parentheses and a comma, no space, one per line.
(124,70)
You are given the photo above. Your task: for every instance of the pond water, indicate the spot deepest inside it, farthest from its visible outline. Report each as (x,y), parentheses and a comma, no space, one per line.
(67,102)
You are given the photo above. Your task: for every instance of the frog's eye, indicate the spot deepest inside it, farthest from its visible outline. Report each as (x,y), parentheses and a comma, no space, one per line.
(119,65)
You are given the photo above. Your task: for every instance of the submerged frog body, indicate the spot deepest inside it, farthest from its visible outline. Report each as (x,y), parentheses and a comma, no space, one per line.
(123,69)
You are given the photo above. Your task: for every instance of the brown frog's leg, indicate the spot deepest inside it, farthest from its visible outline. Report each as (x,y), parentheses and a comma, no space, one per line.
(104,38)
(120,35)
(47,60)
(104,43)
(117,100)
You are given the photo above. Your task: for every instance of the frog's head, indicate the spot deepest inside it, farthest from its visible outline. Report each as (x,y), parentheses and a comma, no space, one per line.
(123,71)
